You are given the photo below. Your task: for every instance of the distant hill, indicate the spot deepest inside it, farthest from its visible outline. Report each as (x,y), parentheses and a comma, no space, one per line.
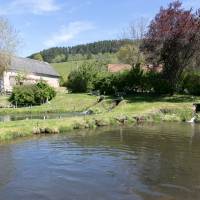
(79,52)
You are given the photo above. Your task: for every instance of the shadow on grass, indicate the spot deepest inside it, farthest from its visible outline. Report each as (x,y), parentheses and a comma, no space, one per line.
(153,98)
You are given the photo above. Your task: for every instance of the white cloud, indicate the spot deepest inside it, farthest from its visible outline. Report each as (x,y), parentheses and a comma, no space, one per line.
(68,33)
(29,6)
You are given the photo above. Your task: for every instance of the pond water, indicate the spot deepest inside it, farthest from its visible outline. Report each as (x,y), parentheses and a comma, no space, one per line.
(17,117)
(145,162)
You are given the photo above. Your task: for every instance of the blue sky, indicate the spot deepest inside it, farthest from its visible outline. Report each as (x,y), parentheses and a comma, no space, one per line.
(47,23)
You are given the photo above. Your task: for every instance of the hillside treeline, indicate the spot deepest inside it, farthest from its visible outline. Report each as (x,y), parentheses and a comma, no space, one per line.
(79,52)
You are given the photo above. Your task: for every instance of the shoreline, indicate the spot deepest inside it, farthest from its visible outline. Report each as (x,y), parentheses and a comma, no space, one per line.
(132,110)
(26,128)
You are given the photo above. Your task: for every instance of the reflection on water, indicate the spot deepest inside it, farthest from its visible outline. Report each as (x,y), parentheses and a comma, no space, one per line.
(17,117)
(146,162)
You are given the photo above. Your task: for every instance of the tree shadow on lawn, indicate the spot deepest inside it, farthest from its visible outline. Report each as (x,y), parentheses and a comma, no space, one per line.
(170,99)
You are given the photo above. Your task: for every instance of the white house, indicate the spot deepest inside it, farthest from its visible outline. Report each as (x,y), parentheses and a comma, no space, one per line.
(32,70)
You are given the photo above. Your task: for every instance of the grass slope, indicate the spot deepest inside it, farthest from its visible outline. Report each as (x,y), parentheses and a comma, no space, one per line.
(63,102)
(66,67)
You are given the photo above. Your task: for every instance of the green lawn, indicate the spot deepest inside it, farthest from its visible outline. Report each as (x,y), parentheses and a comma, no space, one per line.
(4,100)
(63,102)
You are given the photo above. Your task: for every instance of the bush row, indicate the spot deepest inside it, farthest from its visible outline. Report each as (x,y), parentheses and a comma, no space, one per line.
(87,78)
(91,77)
(190,83)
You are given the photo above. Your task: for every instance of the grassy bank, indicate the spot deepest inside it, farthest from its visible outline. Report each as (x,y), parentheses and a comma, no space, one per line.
(132,110)
(61,103)
(64,102)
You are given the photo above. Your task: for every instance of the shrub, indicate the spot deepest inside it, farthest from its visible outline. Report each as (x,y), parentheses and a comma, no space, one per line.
(105,83)
(88,77)
(126,81)
(44,92)
(135,79)
(24,95)
(76,82)
(81,79)
(158,84)
(191,83)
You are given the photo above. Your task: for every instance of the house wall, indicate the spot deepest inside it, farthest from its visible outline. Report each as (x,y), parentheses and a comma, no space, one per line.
(9,80)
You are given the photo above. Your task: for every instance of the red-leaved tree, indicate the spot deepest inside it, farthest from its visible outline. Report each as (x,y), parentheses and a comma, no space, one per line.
(173,39)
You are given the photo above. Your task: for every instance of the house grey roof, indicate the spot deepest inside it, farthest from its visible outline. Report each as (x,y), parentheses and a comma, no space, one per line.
(28,65)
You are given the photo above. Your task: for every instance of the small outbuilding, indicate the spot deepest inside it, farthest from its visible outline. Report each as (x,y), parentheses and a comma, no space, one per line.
(114,68)
(118,67)
(32,71)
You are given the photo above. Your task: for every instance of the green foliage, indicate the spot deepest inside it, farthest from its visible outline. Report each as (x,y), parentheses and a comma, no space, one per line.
(81,52)
(135,79)
(44,92)
(130,54)
(191,83)
(24,95)
(128,81)
(62,81)
(81,79)
(59,58)
(76,57)
(50,54)
(66,67)
(37,56)
(20,78)
(90,77)
(94,76)
(158,84)
(76,82)
(105,83)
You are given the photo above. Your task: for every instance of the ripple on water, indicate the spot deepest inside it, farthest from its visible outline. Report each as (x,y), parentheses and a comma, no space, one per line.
(146,162)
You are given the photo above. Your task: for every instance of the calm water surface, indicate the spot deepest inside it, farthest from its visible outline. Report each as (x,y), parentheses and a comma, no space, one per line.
(18,117)
(146,162)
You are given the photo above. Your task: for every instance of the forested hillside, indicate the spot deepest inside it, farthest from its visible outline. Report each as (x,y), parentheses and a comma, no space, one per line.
(79,52)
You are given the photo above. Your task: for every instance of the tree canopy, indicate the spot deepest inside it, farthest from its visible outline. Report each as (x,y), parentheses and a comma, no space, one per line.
(173,39)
